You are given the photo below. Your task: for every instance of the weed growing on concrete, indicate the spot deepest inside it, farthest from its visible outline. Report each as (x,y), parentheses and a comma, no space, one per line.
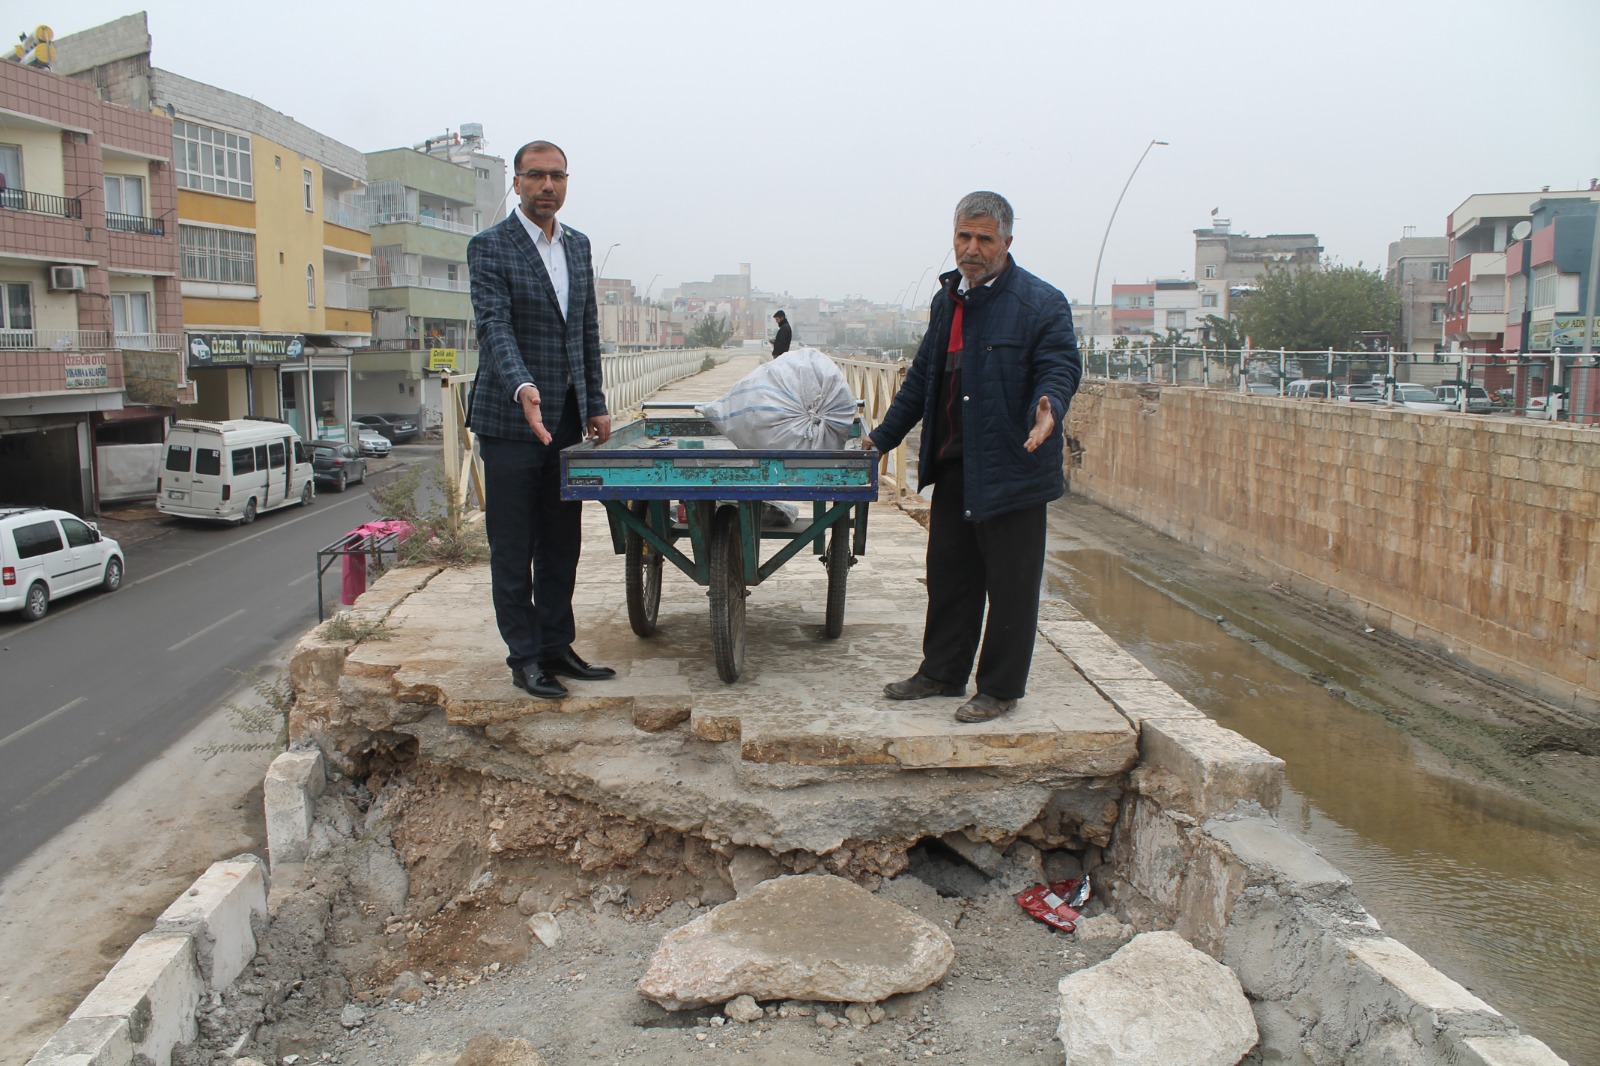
(427,498)
(343,626)
(267,720)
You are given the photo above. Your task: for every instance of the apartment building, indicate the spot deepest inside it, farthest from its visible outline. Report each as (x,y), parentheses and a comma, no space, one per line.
(89,300)
(1133,310)
(269,232)
(1226,264)
(423,206)
(1419,269)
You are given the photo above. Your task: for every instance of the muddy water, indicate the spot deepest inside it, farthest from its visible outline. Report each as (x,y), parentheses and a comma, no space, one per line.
(1485,886)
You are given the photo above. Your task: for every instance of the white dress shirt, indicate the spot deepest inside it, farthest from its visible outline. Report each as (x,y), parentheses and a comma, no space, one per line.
(554,254)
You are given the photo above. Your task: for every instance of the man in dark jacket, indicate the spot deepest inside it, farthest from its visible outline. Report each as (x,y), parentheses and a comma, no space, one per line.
(780,343)
(538,390)
(990,384)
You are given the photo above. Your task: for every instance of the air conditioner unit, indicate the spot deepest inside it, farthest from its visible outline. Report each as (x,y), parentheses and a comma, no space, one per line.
(66,279)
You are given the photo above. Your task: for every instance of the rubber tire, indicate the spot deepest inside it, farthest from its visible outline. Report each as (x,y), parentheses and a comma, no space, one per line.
(641,568)
(37,603)
(727,594)
(344,479)
(249,512)
(839,563)
(363,479)
(113,579)
(307,494)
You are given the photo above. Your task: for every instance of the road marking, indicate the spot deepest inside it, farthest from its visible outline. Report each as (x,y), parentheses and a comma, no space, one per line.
(63,709)
(301,578)
(57,783)
(207,629)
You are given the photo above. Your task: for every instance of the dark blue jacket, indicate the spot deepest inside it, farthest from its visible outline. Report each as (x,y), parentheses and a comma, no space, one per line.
(1017,345)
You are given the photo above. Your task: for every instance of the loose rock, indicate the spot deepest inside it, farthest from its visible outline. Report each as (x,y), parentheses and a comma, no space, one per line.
(743,1009)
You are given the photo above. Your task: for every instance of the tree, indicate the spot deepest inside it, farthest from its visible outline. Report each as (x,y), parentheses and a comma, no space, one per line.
(1308,309)
(710,333)
(1222,332)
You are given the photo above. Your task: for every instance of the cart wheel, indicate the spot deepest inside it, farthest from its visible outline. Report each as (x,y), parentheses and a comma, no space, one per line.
(642,569)
(727,594)
(839,561)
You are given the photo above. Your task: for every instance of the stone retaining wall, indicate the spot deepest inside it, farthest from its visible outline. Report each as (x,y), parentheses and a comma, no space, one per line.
(1478,534)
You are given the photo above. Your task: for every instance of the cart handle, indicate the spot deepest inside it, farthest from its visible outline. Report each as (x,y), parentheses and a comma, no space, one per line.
(672,405)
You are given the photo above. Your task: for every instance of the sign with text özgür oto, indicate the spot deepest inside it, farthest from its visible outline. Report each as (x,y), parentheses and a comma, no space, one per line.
(243,349)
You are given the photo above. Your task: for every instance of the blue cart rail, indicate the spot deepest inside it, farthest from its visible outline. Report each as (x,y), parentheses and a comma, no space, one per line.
(670,476)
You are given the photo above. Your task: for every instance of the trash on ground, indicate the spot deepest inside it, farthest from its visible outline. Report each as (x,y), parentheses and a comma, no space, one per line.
(1059,903)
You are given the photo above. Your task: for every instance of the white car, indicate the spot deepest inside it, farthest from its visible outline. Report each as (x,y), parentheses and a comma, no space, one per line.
(374,443)
(46,554)
(1418,398)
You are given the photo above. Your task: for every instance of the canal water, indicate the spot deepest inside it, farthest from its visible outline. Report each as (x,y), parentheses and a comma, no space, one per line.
(1486,886)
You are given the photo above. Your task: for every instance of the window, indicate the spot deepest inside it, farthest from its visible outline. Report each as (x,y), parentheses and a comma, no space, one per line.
(244,460)
(1436,313)
(311,285)
(305,178)
(1176,320)
(261,456)
(36,539)
(212,160)
(124,196)
(208,461)
(79,535)
(1209,299)
(16,305)
(179,457)
(1440,270)
(211,254)
(130,312)
(1546,281)
(477,221)
(482,172)
(11,176)
(275,454)
(1211,270)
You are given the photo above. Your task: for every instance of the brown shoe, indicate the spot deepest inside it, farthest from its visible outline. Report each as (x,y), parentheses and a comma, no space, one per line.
(982,708)
(917,687)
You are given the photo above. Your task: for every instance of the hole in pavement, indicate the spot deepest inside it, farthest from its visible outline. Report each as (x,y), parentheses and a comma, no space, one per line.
(937,865)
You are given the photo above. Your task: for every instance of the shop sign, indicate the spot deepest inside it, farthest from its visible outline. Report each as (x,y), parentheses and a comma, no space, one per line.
(1564,332)
(443,359)
(85,370)
(244,349)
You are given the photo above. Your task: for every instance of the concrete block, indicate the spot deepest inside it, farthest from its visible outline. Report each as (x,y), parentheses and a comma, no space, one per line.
(294,781)
(1504,1051)
(1138,700)
(221,912)
(1429,1003)
(87,1042)
(1213,768)
(1097,656)
(1274,854)
(154,987)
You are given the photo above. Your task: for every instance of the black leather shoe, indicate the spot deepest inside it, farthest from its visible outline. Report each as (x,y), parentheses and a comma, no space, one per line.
(982,708)
(539,684)
(569,665)
(917,687)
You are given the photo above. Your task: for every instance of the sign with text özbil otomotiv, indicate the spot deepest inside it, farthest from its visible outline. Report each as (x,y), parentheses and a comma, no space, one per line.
(243,349)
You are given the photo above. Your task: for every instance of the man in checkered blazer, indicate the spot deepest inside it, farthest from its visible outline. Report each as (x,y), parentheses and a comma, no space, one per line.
(538,390)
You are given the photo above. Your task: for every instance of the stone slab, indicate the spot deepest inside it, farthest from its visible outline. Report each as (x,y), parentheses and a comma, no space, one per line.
(87,1042)
(155,987)
(1262,844)
(220,912)
(1139,700)
(293,782)
(1097,656)
(1213,768)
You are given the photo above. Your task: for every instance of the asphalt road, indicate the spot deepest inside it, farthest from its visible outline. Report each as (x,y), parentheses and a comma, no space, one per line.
(106,682)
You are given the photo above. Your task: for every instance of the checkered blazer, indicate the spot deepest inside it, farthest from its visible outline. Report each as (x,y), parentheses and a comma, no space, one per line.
(522,336)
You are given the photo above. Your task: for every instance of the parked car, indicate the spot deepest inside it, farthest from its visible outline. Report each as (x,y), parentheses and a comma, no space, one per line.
(397,428)
(1359,394)
(232,471)
(338,463)
(371,442)
(46,554)
(1307,389)
(1417,397)
(1479,402)
(1263,388)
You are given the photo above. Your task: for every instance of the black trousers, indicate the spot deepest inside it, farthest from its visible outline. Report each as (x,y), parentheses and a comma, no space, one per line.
(998,562)
(534,541)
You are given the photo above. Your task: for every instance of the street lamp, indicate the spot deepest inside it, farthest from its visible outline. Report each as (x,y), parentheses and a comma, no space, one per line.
(648,287)
(607,258)
(1094,291)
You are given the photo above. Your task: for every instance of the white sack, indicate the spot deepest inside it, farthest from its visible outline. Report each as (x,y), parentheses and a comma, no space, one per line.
(798,401)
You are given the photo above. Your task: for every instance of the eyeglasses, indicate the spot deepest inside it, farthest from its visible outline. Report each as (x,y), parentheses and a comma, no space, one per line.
(557,176)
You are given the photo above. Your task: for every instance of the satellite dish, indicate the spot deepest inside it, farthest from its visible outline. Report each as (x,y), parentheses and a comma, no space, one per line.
(1521,230)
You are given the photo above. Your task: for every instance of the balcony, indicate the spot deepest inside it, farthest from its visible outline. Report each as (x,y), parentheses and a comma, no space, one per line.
(150,342)
(152,227)
(55,340)
(350,216)
(1492,304)
(344,294)
(388,218)
(38,203)
(409,281)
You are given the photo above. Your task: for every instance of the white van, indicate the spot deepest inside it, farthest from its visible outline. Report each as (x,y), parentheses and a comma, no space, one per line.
(45,554)
(1307,389)
(232,471)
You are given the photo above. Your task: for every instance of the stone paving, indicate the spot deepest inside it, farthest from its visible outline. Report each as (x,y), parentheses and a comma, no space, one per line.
(801,700)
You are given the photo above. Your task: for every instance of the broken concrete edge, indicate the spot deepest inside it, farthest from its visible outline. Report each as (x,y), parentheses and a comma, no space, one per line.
(293,782)
(1317,968)
(317,661)
(148,1001)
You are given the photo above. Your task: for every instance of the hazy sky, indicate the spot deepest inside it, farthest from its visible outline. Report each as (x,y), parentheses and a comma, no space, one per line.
(826,143)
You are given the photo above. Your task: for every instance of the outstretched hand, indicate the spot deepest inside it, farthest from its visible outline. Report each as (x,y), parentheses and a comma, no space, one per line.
(1044,423)
(529,398)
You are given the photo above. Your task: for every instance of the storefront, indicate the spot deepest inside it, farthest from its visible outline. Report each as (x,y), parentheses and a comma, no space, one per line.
(272,375)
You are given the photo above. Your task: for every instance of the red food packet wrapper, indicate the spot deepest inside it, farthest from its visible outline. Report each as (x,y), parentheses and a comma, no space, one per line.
(1059,903)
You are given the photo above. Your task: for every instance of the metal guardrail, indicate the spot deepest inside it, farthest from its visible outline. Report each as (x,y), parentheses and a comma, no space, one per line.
(387,218)
(409,281)
(40,203)
(150,342)
(120,223)
(56,340)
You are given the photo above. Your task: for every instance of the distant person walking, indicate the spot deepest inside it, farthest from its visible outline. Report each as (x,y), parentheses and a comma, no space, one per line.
(780,343)
(990,384)
(538,389)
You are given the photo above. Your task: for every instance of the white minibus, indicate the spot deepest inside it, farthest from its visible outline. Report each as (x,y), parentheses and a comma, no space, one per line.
(232,471)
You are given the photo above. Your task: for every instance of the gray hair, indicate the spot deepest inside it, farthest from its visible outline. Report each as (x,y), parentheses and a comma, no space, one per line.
(986,205)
